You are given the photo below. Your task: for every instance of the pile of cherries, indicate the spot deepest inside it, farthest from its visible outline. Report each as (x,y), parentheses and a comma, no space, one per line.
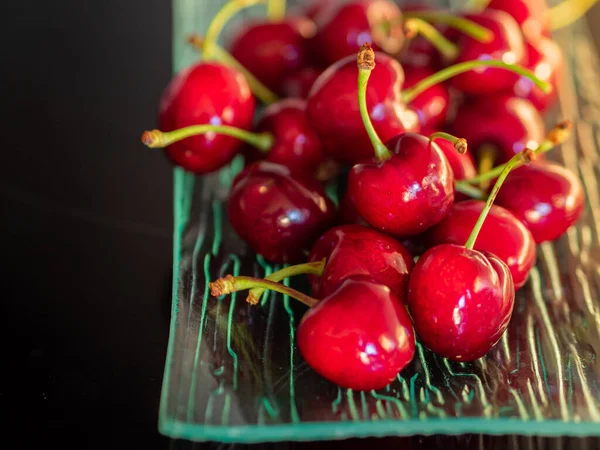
(412,244)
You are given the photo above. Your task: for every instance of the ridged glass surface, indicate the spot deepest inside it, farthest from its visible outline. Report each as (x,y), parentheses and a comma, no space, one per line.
(233,372)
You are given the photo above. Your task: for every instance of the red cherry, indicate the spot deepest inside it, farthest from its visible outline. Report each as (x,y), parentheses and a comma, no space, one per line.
(462,164)
(359,337)
(355,251)
(298,84)
(508,124)
(547,197)
(334,114)
(345,27)
(516,248)
(432,104)
(531,16)
(206,93)
(545,59)
(272,51)
(295,143)
(278,213)
(460,300)
(507,45)
(407,193)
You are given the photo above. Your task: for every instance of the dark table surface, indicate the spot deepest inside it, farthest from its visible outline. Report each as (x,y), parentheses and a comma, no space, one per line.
(86,230)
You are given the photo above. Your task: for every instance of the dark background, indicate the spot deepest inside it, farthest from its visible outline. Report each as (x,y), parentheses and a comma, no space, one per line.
(86,224)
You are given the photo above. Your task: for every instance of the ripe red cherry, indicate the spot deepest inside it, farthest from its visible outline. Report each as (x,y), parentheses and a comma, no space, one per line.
(407,193)
(460,300)
(547,197)
(508,124)
(299,83)
(355,251)
(272,51)
(295,143)
(531,15)
(206,93)
(432,104)
(345,27)
(359,337)
(334,113)
(507,45)
(279,214)
(515,248)
(545,59)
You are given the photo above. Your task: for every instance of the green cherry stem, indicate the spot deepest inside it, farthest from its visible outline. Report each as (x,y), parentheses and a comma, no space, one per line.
(366,63)
(471,191)
(161,139)
(555,136)
(314,268)
(263,93)
(461,24)
(460,144)
(567,12)
(415,26)
(525,156)
(409,95)
(230,9)
(276,10)
(229,284)
(487,159)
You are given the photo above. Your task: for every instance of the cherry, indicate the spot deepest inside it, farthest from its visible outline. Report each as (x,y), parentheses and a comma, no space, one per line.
(205,93)
(279,213)
(516,248)
(531,16)
(354,251)
(432,104)
(462,299)
(462,164)
(506,124)
(358,337)
(299,83)
(295,143)
(547,197)
(545,59)
(507,45)
(272,51)
(345,27)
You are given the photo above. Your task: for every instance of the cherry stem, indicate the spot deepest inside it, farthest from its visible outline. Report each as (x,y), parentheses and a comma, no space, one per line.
(276,10)
(161,139)
(567,12)
(315,268)
(366,63)
(409,94)
(555,136)
(415,26)
(487,158)
(229,284)
(460,144)
(526,156)
(230,9)
(461,24)
(471,191)
(263,93)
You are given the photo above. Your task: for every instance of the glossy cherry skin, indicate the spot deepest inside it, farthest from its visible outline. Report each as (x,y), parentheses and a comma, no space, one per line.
(207,92)
(547,197)
(507,45)
(545,59)
(406,194)
(272,51)
(432,104)
(460,300)
(358,337)
(296,145)
(509,124)
(502,234)
(298,84)
(279,214)
(355,251)
(531,16)
(334,114)
(345,27)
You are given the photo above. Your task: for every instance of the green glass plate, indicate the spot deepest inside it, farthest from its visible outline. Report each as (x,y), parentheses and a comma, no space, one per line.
(233,372)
